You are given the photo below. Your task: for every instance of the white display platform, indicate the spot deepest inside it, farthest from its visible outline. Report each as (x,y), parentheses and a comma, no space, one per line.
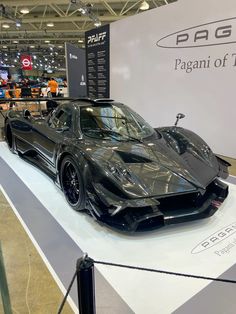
(170,248)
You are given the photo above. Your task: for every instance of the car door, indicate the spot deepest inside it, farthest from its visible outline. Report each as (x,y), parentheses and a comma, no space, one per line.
(49,135)
(22,129)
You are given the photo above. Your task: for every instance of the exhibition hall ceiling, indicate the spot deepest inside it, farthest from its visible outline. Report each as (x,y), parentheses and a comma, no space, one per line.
(41,27)
(58,21)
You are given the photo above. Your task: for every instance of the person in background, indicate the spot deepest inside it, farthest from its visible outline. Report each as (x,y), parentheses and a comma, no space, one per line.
(53,85)
(23,82)
(11,86)
(65,83)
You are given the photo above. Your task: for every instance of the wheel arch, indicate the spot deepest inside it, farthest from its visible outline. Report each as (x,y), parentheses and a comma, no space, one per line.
(60,159)
(78,158)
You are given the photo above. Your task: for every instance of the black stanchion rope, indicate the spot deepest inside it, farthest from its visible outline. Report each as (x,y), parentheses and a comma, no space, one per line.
(166,272)
(148,270)
(67,293)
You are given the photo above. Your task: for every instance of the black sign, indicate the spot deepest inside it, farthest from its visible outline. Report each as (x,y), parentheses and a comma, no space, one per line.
(98,62)
(76,71)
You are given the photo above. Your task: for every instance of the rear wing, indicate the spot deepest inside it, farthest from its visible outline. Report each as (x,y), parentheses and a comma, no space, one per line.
(38,105)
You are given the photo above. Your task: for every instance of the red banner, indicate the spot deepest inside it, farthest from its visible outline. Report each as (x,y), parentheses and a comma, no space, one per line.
(26,62)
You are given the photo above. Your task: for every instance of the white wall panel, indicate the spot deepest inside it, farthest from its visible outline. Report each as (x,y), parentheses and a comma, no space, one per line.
(143,75)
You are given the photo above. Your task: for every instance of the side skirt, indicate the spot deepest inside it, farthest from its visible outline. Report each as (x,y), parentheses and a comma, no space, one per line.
(40,164)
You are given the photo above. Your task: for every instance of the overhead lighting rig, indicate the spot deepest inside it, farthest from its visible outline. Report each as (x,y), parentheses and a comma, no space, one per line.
(86,9)
(8,13)
(144,6)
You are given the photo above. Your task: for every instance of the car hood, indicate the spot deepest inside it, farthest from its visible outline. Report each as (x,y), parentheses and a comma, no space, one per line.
(152,168)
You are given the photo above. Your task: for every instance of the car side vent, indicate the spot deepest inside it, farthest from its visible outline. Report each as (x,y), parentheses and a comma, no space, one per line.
(132,158)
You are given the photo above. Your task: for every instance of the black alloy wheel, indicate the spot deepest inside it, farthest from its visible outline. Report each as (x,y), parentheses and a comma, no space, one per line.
(72,183)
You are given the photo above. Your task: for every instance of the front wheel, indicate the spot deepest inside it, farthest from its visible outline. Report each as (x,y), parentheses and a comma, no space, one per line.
(72,183)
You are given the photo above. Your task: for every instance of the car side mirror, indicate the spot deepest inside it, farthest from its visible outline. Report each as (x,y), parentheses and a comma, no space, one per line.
(26,113)
(178,117)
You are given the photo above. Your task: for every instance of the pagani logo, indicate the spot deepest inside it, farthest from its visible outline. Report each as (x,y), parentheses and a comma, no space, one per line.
(220,32)
(97,37)
(215,238)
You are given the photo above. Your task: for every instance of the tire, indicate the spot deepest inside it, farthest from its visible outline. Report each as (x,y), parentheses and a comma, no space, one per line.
(9,137)
(72,183)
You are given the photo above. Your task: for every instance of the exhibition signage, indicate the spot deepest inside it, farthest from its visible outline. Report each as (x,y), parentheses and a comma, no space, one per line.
(98,62)
(76,71)
(26,62)
(180,57)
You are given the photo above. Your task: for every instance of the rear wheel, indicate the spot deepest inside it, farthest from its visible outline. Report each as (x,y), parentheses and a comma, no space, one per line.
(9,136)
(72,183)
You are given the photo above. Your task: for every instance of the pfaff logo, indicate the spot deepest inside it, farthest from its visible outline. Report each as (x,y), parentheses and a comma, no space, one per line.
(73,56)
(215,238)
(97,37)
(210,34)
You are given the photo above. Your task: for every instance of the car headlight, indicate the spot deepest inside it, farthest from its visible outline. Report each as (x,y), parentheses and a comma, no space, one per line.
(119,172)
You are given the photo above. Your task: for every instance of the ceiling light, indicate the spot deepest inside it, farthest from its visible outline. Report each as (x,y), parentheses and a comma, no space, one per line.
(4,47)
(32,46)
(144,6)
(97,23)
(50,24)
(18,24)
(82,10)
(47,41)
(15,41)
(80,41)
(6,26)
(60,46)
(24,10)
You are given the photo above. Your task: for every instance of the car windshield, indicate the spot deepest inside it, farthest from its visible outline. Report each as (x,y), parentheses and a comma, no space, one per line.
(113,122)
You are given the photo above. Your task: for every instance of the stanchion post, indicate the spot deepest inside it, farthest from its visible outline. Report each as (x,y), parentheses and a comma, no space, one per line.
(86,285)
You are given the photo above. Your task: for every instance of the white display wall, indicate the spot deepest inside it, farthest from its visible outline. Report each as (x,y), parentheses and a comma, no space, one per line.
(155,80)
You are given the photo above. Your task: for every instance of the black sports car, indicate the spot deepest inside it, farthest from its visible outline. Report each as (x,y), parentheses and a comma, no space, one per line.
(111,163)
